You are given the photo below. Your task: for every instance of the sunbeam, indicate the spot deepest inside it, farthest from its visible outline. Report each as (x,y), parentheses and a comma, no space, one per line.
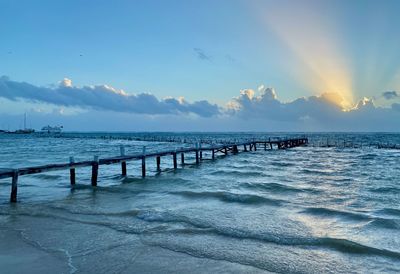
(314,41)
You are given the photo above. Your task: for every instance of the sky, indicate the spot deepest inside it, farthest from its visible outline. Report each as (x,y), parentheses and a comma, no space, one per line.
(227,65)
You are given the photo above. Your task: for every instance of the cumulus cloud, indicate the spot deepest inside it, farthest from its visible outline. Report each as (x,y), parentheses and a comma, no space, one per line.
(102,97)
(389,95)
(322,112)
(265,104)
(252,110)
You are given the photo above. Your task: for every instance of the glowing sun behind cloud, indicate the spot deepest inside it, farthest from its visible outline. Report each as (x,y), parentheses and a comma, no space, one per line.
(313,40)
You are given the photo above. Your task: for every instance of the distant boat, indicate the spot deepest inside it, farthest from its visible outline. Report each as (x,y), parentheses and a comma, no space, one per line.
(24,130)
(49,129)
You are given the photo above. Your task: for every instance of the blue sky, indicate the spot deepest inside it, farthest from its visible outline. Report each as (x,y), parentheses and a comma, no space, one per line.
(202,50)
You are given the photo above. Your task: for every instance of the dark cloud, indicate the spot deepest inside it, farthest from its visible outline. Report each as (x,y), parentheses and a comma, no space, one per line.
(389,95)
(202,55)
(102,97)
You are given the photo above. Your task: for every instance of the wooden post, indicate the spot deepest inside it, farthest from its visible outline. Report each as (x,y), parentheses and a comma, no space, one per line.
(95,170)
(245,147)
(255,146)
(270,144)
(144,162)
(182,158)
(175,161)
(123,163)
(72,170)
(225,151)
(14,187)
(265,146)
(197,153)
(234,149)
(158,160)
(213,154)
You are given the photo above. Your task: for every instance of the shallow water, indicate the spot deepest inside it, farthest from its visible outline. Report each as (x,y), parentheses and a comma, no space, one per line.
(303,210)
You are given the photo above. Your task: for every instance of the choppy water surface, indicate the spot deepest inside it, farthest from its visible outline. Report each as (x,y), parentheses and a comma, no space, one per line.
(303,210)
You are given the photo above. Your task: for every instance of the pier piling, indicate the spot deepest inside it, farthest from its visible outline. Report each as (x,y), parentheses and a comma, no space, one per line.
(158,161)
(175,161)
(72,170)
(144,162)
(197,153)
(182,158)
(143,166)
(14,187)
(95,170)
(123,163)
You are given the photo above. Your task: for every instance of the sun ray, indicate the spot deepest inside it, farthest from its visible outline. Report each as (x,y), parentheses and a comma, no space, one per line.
(315,43)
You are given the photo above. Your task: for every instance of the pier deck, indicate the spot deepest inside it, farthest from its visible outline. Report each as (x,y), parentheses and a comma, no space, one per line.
(223,149)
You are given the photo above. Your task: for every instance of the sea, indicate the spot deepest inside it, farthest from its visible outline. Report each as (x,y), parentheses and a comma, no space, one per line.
(330,207)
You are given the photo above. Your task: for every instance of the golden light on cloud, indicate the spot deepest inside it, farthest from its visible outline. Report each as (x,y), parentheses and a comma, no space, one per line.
(314,42)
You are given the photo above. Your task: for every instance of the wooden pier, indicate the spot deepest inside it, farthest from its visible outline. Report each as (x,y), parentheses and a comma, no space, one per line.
(198,150)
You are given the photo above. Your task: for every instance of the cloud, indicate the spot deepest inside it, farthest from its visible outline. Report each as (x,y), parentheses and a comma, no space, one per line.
(322,112)
(389,95)
(102,97)
(252,110)
(265,104)
(202,55)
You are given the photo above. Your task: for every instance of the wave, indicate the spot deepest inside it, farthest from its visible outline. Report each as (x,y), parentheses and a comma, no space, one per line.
(195,226)
(389,211)
(281,164)
(275,187)
(391,190)
(229,197)
(316,171)
(48,177)
(342,245)
(375,222)
(325,212)
(368,156)
(237,173)
(384,223)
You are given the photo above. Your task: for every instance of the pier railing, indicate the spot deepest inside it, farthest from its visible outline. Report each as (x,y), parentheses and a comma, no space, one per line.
(224,149)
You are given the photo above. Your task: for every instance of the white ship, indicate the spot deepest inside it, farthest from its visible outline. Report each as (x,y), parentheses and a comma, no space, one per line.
(50,129)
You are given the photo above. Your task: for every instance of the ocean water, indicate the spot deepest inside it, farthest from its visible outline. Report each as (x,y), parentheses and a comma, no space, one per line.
(314,209)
